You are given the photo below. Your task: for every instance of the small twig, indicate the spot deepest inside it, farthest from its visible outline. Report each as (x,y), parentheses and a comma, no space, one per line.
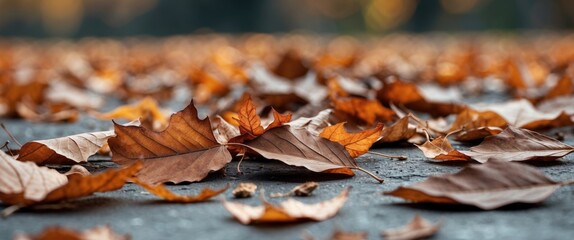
(10,134)
(380,180)
(10,210)
(240,161)
(400,157)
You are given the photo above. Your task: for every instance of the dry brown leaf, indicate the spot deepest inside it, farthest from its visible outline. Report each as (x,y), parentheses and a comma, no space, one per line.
(48,112)
(146,110)
(487,186)
(64,150)
(521,113)
(302,190)
(418,228)
(313,124)
(356,144)
(344,235)
(291,66)
(419,99)
(185,151)
(515,144)
(223,130)
(441,149)
(287,211)
(299,147)
(475,125)
(399,131)
(168,196)
(25,183)
(78,169)
(244,190)
(50,233)
(364,110)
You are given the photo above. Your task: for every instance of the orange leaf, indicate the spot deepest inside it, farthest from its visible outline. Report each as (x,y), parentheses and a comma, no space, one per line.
(368,111)
(164,193)
(100,232)
(356,144)
(249,121)
(147,109)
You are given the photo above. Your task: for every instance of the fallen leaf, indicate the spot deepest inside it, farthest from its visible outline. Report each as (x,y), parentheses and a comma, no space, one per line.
(344,235)
(168,196)
(515,144)
(302,190)
(299,147)
(287,211)
(146,110)
(356,144)
(250,123)
(64,150)
(313,124)
(223,130)
(475,125)
(291,66)
(486,186)
(418,228)
(399,131)
(364,110)
(521,113)
(78,169)
(244,190)
(24,183)
(441,149)
(100,233)
(185,151)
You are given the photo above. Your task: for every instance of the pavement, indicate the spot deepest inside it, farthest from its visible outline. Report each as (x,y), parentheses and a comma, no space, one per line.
(133,211)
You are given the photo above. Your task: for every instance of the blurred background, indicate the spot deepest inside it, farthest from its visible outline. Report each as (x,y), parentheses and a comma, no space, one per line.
(80,18)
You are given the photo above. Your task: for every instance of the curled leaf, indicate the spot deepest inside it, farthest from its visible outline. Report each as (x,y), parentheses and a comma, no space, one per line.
(418,228)
(487,186)
(65,150)
(516,144)
(287,211)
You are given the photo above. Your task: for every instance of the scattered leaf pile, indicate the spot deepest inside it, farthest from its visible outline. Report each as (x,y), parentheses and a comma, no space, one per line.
(310,102)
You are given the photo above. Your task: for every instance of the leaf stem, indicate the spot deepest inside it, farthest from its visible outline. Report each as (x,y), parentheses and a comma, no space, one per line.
(568,182)
(399,157)
(10,134)
(370,174)
(9,210)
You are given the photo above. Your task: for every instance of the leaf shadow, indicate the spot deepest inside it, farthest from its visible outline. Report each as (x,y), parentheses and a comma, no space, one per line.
(467,208)
(87,205)
(543,163)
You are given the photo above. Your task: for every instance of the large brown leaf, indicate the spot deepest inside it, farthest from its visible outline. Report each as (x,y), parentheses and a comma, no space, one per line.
(65,150)
(487,186)
(185,151)
(516,144)
(356,144)
(288,211)
(299,147)
(418,228)
(399,131)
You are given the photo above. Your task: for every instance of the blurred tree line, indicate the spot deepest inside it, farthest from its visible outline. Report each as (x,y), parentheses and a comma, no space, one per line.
(79,18)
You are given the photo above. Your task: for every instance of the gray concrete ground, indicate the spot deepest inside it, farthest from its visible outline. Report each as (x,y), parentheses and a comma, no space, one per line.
(133,211)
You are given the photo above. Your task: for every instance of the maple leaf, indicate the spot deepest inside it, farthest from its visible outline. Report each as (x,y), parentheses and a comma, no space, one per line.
(287,211)
(441,149)
(64,150)
(168,196)
(418,228)
(57,232)
(356,144)
(250,123)
(515,144)
(24,183)
(299,147)
(185,151)
(486,186)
